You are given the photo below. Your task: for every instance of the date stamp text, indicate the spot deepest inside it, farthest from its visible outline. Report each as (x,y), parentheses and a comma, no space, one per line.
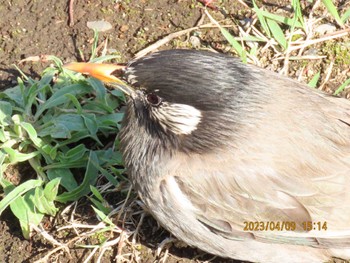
(283,226)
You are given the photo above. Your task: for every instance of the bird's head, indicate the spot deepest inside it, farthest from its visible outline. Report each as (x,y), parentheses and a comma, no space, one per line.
(195,99)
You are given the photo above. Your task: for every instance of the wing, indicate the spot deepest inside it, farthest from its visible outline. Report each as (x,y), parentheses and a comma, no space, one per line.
(291,167)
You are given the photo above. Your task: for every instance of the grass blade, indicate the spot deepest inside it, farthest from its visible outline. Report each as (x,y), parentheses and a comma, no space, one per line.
(314,80)
(333,11)
(345,16)
(342,87)
(262,19)
(277,33)
(234,43)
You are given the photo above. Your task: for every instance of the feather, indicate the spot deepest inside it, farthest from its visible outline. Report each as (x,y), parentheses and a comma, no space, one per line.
(267,149)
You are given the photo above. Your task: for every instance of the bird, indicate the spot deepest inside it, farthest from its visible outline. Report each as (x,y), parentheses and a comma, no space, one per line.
(233,159)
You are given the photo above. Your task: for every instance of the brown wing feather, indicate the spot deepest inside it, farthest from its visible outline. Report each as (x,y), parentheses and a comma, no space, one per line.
(293,166)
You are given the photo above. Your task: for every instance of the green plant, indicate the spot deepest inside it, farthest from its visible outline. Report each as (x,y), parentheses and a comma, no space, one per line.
(59,125)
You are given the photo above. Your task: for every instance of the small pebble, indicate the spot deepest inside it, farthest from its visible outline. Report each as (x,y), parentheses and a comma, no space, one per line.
(195,41)
(100,26)
(325,28)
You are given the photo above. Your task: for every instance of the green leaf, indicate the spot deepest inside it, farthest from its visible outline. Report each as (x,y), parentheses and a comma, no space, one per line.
(63,125)
(253,38)
(4,136)
(298,15)
(17,192)
(3,167)
(262,19)
(89,179)
(110,119)
(17,120)
(15,95)
(60,97)
(94,45)
(314,80)
(75,102)
(39,143)
(100,206)
(234,43)
(52,151)
(101,203)
(110,157)
(65,177)
(69,165)
(99,89)
(280,19)
(44,197)
(5,113)
(91,123)
(57,61)
(76,153)
(24,209)
(46,78)
(42,204)
(277,33)
(345,16)
(333,11)
(32,133)
(99,106)
(109,177)
(97,193)
(9,143)
(29,97)
(76,137)
(342,87)
(16,157)
(58,131)
(51,189)
(103,217)
(118,93)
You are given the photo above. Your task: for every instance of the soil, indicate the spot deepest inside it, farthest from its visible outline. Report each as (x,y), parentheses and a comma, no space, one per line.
(34,29)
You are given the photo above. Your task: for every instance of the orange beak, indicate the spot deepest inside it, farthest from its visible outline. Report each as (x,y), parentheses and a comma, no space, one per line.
(103,72)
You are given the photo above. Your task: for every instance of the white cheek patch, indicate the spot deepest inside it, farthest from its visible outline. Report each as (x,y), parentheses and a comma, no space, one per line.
(178,118)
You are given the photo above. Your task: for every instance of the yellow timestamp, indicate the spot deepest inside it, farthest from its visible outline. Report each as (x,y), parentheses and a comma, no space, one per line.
(284,226)
(317,226)
(269,226)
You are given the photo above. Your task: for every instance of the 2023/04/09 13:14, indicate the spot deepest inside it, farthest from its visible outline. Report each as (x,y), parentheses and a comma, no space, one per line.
(283,226)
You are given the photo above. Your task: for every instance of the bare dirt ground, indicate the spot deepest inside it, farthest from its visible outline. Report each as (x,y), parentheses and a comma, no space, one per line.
(38,28)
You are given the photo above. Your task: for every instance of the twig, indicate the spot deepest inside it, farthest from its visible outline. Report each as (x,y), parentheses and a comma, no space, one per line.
(164,243)
(108,245)
(41,58)
(170,37)
(71,13)
(329,72)
(300,77)
(165,257)
(46,235)
(133,241)
(121,242)
(337,34)
(121,211)
(306,57)
(103,45)
(47,256)
(51,239)
(91,255)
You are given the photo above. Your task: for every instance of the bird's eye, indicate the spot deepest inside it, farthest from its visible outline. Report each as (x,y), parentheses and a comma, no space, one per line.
(153,99)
